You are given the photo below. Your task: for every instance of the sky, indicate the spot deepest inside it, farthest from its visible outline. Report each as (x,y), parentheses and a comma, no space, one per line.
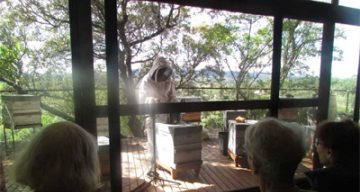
(350,46)
(348,67)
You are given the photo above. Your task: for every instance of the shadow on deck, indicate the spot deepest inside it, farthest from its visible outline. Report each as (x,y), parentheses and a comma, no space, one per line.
(218,172)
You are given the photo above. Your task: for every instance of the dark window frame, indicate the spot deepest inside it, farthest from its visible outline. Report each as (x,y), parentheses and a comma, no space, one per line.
(82,62)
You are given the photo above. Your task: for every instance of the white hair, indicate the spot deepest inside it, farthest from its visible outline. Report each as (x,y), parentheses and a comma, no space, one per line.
(61,157)
(276,148)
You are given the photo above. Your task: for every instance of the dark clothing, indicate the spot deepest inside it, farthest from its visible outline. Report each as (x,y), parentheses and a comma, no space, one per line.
(334,179)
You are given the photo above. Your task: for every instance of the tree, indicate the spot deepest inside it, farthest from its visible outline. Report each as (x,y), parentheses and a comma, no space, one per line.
(241,44)
(34,55)
(12,51)
(139,36)
(11,65)
(301,41)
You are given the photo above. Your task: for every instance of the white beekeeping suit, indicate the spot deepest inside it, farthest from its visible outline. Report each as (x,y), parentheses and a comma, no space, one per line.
(157,87)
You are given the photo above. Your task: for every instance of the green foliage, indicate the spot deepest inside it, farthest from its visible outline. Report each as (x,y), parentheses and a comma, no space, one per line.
(212,120)
(344,90)
(241,43)
(48,118)
(125,130)
(2,86)
(302,87)
(218,36)
(9,55)
(9,59)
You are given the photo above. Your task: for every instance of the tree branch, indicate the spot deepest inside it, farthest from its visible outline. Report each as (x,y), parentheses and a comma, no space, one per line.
(56,112)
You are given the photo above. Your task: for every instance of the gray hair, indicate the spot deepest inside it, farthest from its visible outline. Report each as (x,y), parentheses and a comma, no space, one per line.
(276,148)
(61,157)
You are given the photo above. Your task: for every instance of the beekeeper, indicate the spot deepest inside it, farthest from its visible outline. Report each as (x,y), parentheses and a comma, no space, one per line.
(157,87)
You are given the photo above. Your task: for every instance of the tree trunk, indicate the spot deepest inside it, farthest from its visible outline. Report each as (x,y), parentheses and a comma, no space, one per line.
(136,126)
(57,112)
(2,173)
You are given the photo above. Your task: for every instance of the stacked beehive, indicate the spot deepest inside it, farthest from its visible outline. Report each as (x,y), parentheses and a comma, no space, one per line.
(178,147)
(236,142)
(21,111)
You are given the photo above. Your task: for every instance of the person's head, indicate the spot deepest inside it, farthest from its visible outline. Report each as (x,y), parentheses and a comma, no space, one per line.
(338,142)
(274,149)
(161,70)
(61,157)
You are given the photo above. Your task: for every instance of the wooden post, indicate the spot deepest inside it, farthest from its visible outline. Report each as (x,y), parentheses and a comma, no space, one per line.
(357,94)
(112,70)
(325,79)
(82,64)
(2,173)
(276,66)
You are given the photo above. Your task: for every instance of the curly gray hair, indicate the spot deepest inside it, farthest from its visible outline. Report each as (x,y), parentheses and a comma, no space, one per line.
(61,157)
(276,148)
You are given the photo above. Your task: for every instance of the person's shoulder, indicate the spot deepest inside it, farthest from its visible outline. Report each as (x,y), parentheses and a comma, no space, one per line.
(316,172)
(333,179)
(333,171)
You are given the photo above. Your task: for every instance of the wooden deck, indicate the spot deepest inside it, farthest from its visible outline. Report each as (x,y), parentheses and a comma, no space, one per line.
(217,173)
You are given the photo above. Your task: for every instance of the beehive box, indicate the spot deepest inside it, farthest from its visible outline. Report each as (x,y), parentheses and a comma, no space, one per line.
(104,158)
(190,116)
(102,126)
(231,115)
(20,111)
(236,148)
(236,137)
(172,155)
(179,143)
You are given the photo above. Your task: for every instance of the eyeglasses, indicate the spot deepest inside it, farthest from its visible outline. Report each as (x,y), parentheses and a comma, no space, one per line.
(318,142)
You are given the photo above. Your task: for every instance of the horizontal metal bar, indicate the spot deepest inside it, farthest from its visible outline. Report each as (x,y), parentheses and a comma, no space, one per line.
(304,10)
(141,109)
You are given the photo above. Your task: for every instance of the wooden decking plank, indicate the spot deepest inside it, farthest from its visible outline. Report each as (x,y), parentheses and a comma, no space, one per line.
(142,159)
(219,183)
(206,174)
(137,175)
(191,181)
(242,178)
(223,172)
(167,185)
(204,177)
(212,154)
(126,171)
(153,187)
(218,172)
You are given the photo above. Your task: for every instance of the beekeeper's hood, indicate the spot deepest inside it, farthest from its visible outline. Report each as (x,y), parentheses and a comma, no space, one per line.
(161,70)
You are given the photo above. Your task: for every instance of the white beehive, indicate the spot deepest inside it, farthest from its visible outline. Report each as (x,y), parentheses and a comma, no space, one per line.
(236,148)
(178,143)
(236,137)
(21,111)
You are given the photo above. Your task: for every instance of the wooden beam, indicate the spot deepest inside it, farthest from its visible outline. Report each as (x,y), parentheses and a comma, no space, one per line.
(325,70)
(295,9)
(325,78)
(82,64)
(113,93)
(291,103)
(276,66)
(357,94)
(141,109)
